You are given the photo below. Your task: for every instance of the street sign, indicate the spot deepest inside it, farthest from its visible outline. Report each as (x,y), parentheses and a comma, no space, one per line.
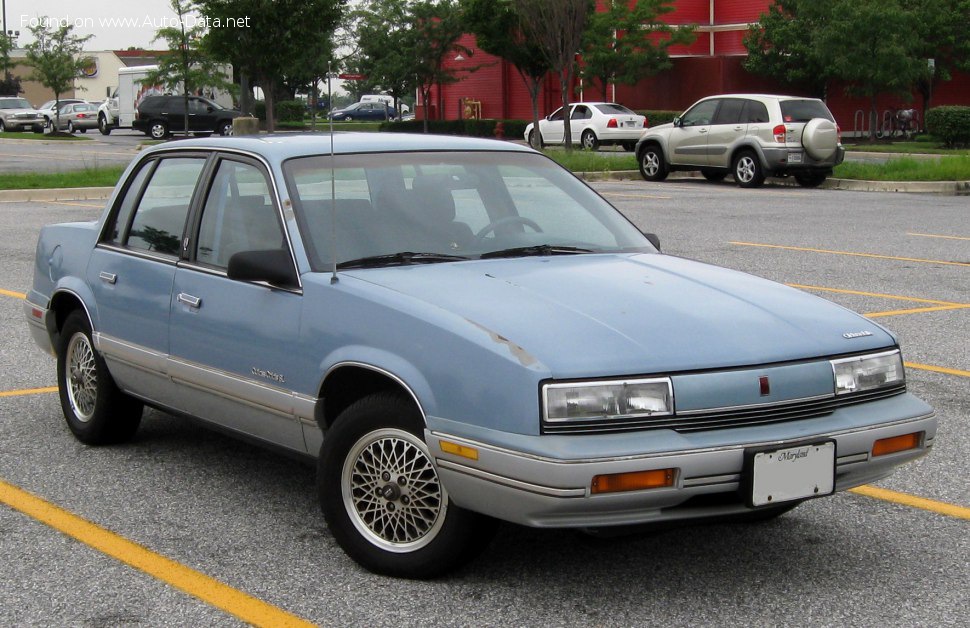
(352,77)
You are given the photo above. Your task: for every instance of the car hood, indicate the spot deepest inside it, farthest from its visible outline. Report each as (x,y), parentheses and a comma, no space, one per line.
(19,111)
(596,315)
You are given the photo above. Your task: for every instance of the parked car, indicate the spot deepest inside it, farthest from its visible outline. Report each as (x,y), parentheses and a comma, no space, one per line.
(458,329)
(158,116)
(17,114)
(49,109)
(78,117)
(374,110)
(591,124)
(749,136)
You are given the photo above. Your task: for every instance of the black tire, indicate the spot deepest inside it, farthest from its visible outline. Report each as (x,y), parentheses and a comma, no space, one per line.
(158,130)
(747,170)
(83,130)
(3,127)
(225,128)
(533,134)
(70,127)
(103,125)
(714,174)
(588,140)
(348,118)
(629,146)
(653,166)
(97,412)
(810,179)
(382,433)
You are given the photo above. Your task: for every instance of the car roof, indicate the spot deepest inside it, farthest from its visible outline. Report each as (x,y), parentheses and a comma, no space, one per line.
(279,147)
(761,96)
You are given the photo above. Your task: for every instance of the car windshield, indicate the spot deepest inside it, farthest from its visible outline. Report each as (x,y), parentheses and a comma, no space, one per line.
(613,109)
(14,103)
(428,207)
(804,110)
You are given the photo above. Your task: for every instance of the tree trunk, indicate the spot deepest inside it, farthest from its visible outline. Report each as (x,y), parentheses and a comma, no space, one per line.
(873,118)
(564,80)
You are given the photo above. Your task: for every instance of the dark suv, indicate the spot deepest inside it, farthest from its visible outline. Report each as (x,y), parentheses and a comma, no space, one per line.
(158,116)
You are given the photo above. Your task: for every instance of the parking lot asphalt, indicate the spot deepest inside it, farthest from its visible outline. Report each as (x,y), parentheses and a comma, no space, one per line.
(247,518)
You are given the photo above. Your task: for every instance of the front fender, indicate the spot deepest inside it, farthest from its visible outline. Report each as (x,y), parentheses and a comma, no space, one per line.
(394,366)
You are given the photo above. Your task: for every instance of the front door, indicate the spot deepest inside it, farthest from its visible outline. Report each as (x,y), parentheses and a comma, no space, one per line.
(552,128)
(688,140)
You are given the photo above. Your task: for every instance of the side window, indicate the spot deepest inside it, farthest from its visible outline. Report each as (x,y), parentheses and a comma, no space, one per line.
(119,221)
(729,112)
(239,215)
(160,216)
(754,112)
(581,113)
(556,115)
(700,115)
(197,106)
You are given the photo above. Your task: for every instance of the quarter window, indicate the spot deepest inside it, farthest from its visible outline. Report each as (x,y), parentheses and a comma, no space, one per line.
(160,217)
(239,215)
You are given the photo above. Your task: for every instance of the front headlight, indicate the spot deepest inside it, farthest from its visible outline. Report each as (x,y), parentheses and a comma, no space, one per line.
(868,372)
(615,399)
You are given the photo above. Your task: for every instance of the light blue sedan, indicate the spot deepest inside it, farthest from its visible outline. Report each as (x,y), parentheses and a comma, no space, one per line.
(459,331)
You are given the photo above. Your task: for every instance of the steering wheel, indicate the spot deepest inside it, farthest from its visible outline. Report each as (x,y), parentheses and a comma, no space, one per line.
(508,220)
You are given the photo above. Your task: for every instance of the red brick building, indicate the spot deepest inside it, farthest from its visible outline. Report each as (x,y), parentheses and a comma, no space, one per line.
(711,65)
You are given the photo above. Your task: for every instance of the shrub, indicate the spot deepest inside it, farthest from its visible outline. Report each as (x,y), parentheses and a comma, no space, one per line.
(512,129)
(290,111)
(259,110)
(658,116)
(951,124)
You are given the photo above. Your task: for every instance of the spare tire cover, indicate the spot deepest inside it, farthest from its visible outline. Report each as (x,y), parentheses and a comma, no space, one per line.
(820,137)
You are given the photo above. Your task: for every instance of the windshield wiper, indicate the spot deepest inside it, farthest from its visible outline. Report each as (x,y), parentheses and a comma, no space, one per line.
(537,250)
(403,258)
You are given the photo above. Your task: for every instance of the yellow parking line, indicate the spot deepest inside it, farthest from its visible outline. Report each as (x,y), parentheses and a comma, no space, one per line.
(942,508)
(851,254)
(895,297)
(918,310)
(28,391)
(246,607)
(16,295)
(933,235)
(936,369)
(665,198)
(74,204)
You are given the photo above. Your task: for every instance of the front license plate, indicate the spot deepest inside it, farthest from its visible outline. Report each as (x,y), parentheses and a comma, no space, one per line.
(794,158)
(782,475)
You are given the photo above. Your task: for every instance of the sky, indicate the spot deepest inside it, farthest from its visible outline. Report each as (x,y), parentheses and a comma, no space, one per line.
(115,24)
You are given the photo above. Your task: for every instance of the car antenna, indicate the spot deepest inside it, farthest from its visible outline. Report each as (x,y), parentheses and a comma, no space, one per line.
(333,181)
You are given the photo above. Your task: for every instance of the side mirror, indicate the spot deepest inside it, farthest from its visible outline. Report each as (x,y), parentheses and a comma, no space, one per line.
(678,121)
(274,266)
(210,108)
(654,240)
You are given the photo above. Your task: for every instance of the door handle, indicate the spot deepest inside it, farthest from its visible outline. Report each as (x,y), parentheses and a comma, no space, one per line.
(108,277)
(189,300)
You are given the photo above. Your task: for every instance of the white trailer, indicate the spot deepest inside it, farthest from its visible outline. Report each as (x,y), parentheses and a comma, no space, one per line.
(118,110)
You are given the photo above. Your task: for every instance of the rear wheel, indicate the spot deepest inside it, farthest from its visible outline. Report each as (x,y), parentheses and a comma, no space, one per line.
(747,170)
(588,140)
(382,498)
(652,164)
(70,127)
(97,412)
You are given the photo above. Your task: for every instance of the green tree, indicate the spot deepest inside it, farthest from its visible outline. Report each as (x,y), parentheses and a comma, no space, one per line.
(626,43)
(56,56)
(9,84)
(556,27)
(498,31)
(268,39)
(872,46)
(186,68)
(945,41)
(386,37)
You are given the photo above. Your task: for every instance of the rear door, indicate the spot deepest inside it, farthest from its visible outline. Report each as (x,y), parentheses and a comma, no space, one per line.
(727,128)
(688,141)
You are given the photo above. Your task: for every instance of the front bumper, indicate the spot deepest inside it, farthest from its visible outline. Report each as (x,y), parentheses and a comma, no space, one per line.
(34,124)
(554,491)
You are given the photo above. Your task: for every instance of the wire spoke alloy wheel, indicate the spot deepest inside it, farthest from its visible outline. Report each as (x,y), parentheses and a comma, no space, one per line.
(82,377)
(391,491)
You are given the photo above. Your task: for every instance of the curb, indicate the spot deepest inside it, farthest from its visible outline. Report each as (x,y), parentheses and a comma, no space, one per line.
(55,194)
(941,188)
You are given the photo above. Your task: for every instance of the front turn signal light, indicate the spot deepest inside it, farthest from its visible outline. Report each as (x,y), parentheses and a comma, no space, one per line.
(633,481)
(886,446)
(458,450)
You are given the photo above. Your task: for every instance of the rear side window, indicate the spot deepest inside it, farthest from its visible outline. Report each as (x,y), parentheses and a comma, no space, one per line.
(729,112)
(754,112)
(160,217)
(804,110)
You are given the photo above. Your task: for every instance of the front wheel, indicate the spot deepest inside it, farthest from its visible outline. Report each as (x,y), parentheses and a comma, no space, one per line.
(652,164)
(97,412)
(103,126)
(225,128)
(535,140)
(747,170)
(382,498)
(588,140)
(70,127)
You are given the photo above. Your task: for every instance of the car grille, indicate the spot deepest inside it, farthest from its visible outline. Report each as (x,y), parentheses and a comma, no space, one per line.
(725,418)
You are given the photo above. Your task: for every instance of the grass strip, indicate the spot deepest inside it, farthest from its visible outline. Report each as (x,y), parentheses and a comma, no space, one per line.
(61,137)
(87,178)
(955,168)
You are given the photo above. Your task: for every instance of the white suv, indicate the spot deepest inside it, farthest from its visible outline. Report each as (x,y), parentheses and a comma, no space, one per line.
(750,136)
